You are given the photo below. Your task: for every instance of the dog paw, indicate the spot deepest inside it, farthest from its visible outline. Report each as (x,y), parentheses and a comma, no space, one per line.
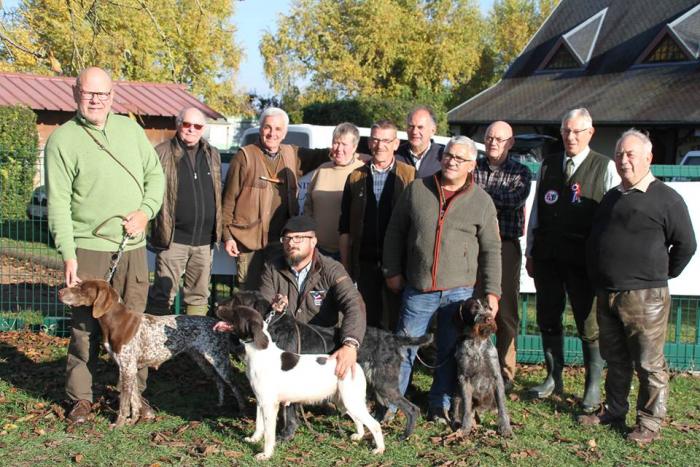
(250,439)
(378,451)
(356,436)
(261,456)
(505,430)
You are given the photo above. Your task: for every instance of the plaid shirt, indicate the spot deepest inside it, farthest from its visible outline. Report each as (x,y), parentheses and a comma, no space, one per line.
(509,187)
(379,179)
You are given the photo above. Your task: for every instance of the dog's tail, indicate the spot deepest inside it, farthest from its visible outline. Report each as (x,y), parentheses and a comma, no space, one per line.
(408,341)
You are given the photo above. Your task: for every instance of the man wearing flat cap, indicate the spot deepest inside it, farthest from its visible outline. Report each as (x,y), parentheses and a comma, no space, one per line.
(318,288)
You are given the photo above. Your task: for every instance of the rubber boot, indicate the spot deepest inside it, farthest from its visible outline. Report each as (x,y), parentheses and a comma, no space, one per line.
(553,347)
(593,363)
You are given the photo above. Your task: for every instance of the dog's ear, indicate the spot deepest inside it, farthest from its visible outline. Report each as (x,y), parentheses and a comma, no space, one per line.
(465,313)
(259,338)
(105,297)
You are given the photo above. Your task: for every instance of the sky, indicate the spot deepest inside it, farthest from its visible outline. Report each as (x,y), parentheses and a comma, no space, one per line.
(252,18)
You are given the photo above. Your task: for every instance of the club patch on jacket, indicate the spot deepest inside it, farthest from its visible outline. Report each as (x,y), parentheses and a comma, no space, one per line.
(318,296)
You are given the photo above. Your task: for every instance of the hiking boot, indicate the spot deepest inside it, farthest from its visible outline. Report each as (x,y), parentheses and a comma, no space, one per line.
(602,418)
(146,413)
(643,435)
(80,411)
(553,347)
(438,415)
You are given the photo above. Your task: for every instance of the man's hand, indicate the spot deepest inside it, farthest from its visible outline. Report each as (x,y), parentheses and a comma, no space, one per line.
(231,248)
(347,357)
(70,270)
(492,300)
(396,283)
(223,326)
(530,266)
(135,223)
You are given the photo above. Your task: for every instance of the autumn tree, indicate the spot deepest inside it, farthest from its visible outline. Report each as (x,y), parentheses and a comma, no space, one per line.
(182,41)
(369,48)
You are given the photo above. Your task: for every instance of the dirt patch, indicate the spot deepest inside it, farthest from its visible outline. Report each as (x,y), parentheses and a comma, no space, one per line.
(26,285)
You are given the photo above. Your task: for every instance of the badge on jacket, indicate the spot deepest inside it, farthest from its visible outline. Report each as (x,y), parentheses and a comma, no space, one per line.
(551,197)
(318,296)
(575,193)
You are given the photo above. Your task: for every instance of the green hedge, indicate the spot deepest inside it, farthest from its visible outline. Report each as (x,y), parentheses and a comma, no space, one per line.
(19,144)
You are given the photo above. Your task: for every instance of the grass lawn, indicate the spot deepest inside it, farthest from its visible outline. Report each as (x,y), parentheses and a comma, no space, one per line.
(191,430)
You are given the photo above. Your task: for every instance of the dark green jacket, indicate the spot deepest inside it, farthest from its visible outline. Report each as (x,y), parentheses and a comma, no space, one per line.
(442,246)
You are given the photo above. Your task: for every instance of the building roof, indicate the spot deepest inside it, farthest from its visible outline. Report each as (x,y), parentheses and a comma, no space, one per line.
(608,42)
(55,93)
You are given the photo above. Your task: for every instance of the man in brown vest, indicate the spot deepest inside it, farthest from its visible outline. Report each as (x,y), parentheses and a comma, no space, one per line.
(260,194)
(370,194)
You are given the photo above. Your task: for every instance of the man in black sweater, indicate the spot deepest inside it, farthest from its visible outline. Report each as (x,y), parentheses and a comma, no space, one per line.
(189,223)
(641,236)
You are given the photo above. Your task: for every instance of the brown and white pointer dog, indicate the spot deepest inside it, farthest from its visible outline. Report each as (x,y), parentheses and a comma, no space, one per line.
(136,340)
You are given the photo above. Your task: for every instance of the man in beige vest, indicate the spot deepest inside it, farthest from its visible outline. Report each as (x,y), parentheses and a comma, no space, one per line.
(260,194)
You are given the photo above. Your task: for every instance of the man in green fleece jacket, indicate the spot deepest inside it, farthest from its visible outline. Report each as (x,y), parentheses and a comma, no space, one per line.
(104,180)
(443,229)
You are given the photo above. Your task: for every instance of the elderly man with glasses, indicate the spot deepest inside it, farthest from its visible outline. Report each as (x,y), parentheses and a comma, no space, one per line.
(508,183)
(104,183)
(189,223)
(443,230)
(569,189)
(370,194)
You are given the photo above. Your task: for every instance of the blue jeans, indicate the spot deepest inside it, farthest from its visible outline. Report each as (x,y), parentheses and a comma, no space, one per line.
(416,311)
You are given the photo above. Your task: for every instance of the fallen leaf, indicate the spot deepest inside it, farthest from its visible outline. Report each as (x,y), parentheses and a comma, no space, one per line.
(232,454)
(592,444)
(78,458)
(39,431)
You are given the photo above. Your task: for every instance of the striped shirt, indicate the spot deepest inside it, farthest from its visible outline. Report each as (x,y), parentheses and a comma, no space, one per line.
(379,177)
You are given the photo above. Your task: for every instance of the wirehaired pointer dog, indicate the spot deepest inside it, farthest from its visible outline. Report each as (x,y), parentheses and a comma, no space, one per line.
(379,355)
(480,384)
(280,377)
(135,340)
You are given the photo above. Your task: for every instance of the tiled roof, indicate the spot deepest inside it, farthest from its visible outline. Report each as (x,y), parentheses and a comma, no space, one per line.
(611,85)
(55,93)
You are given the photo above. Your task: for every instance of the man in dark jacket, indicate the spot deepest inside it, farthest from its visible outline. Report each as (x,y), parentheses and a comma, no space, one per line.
(318,288)
(369,196)
(569,188)
(189,223)
(641,236)
(420,151)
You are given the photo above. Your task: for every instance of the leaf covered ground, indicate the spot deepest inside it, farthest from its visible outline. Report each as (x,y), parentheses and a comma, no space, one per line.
(191,430)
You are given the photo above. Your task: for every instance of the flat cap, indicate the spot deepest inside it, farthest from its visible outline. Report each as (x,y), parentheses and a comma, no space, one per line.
(300,224)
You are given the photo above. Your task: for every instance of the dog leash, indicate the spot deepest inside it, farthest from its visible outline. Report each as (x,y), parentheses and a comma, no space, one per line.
(116,257)
(423,362)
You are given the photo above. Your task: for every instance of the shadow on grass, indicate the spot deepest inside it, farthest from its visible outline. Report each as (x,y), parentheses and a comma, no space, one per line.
(178,388)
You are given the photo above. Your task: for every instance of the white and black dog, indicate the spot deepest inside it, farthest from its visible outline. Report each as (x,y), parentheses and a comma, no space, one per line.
(280,377)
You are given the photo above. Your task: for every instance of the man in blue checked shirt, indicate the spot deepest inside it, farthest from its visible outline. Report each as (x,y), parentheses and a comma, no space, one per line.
(508,183)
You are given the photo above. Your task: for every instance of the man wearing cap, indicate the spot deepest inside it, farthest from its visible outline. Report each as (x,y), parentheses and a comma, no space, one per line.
(318,287)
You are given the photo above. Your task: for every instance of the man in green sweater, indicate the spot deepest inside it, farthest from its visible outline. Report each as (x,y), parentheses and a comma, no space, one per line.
(104,181)
(442,231)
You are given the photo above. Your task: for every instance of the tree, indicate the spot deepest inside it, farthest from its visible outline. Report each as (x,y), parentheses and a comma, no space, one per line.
(369,48)
(182,41)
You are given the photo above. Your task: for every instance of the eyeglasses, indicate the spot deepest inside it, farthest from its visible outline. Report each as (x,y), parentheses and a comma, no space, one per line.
(374,140)
(491,139)
(568,131)
(90,95)
(448,156)
(297,239)
(197,126)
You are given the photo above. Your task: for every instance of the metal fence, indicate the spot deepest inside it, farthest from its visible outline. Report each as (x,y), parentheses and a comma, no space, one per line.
(31,274)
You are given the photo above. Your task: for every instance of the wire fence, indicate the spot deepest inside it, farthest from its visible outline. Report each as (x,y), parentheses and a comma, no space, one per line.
(31,274)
